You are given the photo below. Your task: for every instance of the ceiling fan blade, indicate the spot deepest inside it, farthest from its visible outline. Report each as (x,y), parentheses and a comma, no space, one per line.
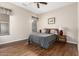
(43,3)
(38,5)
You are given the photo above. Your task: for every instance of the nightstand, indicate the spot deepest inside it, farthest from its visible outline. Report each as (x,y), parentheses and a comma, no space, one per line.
(62,38)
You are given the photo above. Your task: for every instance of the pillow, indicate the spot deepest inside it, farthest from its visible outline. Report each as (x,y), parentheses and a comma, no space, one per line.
(43,31)
(53,32)
(47,31)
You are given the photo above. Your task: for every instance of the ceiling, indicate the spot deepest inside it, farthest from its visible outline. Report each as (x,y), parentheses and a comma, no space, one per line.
(31,6)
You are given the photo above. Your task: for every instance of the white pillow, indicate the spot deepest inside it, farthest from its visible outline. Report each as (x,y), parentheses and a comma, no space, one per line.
(53,32)
(43,31)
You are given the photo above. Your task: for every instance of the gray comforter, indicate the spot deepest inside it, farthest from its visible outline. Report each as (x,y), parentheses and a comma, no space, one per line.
(44,40)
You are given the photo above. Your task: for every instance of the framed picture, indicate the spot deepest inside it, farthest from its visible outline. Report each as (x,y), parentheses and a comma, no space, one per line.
(51,20)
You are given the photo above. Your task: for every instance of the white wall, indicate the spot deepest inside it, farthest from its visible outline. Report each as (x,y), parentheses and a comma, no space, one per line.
(78,28)
(20,24)
(65,17)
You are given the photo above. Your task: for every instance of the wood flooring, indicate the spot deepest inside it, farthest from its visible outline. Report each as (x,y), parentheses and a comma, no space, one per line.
(22,48)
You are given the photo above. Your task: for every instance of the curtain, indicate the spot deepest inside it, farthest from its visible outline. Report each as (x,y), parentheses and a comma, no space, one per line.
(5,11)
(34,23)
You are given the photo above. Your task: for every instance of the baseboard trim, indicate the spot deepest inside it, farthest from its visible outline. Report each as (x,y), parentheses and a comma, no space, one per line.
(11,43)
(24,40)
(71,42)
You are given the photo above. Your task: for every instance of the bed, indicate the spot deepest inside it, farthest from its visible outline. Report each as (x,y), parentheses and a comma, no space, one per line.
(43,39)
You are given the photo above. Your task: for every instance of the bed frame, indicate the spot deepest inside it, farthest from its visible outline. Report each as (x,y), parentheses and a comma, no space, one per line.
(49,29)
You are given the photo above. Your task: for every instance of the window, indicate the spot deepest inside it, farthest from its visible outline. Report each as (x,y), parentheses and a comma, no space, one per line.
(4,24)
(34,23)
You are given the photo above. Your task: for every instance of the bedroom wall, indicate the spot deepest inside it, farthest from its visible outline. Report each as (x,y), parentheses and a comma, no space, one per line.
(20,24)
(66,17)
(78,27)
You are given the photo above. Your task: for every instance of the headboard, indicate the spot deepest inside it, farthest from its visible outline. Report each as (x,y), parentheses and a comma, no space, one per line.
(49,29)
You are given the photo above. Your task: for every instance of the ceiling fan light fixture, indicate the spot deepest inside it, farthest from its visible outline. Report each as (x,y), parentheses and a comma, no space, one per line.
(38,4)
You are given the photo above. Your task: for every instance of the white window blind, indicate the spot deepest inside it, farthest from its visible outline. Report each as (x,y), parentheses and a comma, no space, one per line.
(5,11)
(4,24)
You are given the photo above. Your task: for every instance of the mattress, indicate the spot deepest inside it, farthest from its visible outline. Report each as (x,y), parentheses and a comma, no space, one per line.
(43,39)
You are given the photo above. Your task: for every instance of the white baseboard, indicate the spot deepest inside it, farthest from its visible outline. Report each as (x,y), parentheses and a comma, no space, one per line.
(11,41)
(72,42)
(10,38)
(27,38)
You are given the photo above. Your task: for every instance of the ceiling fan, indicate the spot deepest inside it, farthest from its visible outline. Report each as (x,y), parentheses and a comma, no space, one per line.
(38,4)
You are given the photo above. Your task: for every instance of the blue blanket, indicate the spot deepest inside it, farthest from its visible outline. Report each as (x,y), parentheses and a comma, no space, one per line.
(44,40)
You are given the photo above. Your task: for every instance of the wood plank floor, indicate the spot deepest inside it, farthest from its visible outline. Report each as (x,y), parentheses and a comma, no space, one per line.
(23,49)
